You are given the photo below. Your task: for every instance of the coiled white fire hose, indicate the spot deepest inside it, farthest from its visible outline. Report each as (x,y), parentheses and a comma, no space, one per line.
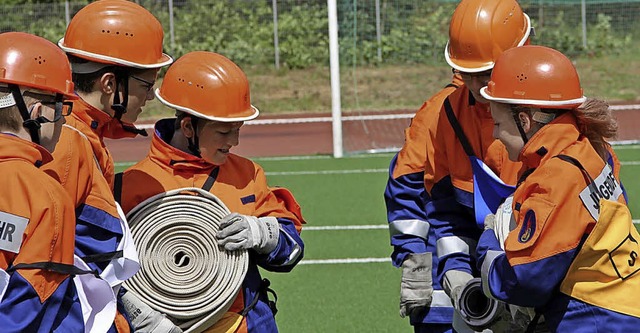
(184,274)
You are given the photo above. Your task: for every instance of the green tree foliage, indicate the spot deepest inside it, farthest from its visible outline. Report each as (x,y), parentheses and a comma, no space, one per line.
(565,36)
(243,31)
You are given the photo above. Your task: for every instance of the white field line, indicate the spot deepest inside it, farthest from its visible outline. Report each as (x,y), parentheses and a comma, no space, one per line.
(343,261)
(628,147)
(346,227)
(320,157)
(324,172)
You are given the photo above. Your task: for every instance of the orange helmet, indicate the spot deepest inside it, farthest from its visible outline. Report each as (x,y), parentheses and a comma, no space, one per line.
(537,76)
(32,61)
(481,30)
(207,85)
(116,32)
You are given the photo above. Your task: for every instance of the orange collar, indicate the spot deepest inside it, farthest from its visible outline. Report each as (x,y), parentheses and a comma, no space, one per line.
(165,154)
(13,147)
(550,140)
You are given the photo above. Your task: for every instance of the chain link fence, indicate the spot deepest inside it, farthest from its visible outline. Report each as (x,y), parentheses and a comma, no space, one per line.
(293,33)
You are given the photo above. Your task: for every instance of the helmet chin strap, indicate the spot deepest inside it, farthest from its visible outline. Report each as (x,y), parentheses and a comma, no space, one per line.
(520,129)
(117,107)
(32,125)
(194,144)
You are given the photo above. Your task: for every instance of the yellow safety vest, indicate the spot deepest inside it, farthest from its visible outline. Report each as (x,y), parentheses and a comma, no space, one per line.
(605,271)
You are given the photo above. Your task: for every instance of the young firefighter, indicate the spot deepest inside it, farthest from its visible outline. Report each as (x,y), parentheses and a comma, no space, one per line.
(211,97)
(115,50)
(421,296)
(572,252)
(37,293)
(457,140)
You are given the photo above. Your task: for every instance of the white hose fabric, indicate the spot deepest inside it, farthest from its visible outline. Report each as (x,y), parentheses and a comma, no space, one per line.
(184,273)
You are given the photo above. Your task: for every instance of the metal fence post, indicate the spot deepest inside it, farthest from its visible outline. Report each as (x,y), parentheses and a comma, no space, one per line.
(334,63)
(378,32)
(171,33)
(584,23)
(275,33)
(67,12)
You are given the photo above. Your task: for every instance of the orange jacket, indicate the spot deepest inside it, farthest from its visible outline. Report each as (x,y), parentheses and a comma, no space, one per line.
(412,156)
(37,224)
(80,170)
(242,186)
(96,125)
(93,123)
(448,177)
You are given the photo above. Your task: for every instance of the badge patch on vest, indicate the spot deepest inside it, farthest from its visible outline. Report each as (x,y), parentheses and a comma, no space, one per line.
(528,227)
(604,186)
(625,257)
(12,229)
(248,199)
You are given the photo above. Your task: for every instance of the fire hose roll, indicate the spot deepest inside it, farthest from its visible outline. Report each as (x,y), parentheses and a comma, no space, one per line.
(184,273)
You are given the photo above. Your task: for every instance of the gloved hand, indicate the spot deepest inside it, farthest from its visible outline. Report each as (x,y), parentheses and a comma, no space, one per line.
(453,283)
(144,319)
(248,232)
(515,319)
(519,318)
(489,222)
(416,285)
(504,221)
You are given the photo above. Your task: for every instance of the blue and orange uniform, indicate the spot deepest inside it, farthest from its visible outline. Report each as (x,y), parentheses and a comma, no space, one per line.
(405,199)
(449,176)
(242,186)
(548,260)
(37,292)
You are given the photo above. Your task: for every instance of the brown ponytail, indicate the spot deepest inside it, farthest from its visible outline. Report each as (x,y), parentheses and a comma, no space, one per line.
(596,122)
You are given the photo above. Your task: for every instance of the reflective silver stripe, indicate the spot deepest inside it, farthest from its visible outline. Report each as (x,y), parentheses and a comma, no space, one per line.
(486,267)
(440,300)
(409,227)
(4,282)
(454,244)
(295,253)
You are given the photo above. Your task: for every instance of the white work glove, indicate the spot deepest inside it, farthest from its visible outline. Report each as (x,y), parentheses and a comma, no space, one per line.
(489,222)
(453,283)
(416,285)
(144,319)
(248,232)
(504,221)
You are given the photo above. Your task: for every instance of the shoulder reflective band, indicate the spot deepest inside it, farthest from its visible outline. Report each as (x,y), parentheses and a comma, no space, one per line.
(184,273)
